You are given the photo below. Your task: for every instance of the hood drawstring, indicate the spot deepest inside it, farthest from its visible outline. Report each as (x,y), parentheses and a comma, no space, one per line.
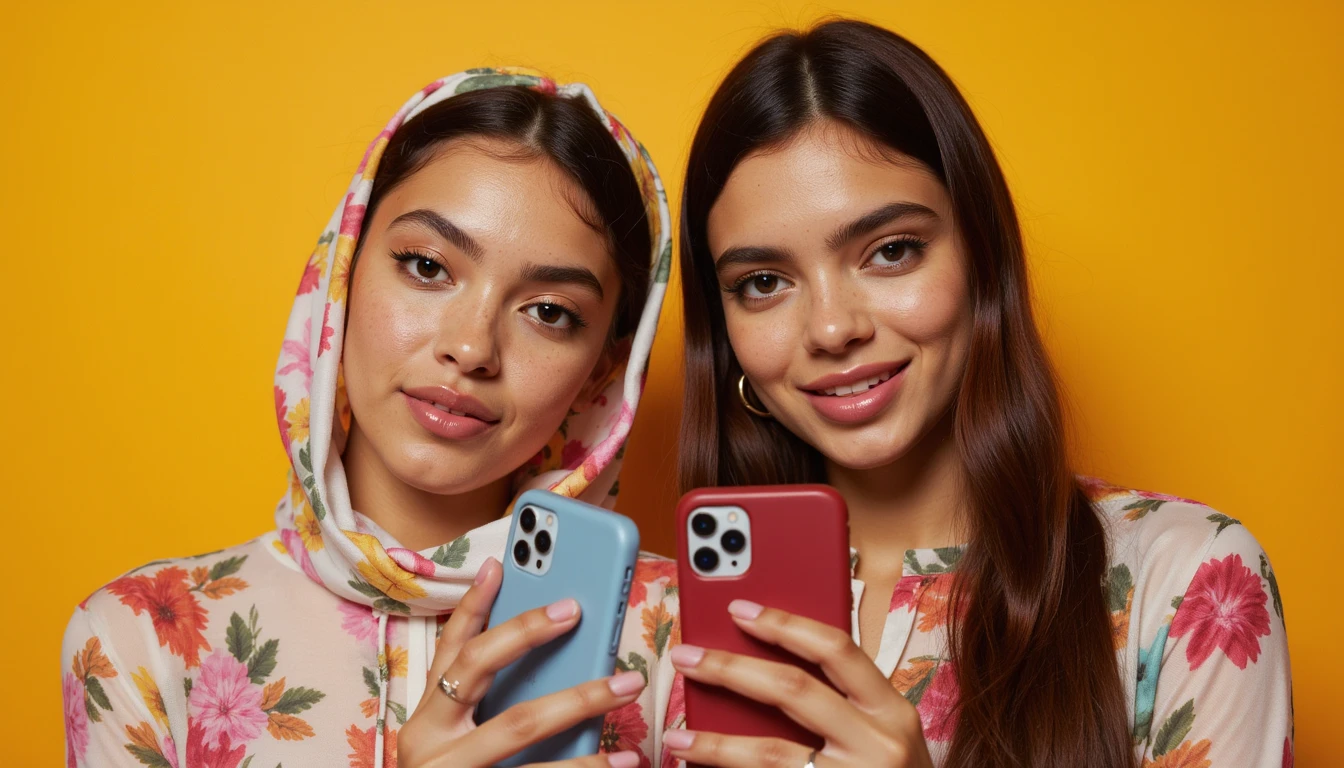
(384,682)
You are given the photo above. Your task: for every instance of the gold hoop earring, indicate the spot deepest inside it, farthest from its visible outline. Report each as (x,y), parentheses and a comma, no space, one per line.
(742,395)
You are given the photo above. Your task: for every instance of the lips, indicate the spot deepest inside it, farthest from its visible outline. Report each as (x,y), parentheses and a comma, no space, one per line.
(857,395)
(449,414)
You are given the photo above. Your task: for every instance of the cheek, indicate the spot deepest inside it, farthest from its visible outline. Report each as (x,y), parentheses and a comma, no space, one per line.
(931,309)
(545,378)
(383,332)
(763,342)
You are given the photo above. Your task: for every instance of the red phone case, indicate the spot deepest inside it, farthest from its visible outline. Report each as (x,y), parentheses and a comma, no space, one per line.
(800,564)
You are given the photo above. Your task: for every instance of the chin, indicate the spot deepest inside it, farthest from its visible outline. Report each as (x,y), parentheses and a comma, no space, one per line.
(444,472)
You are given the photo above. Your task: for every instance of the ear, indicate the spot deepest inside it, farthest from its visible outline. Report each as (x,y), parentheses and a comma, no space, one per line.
(596,380)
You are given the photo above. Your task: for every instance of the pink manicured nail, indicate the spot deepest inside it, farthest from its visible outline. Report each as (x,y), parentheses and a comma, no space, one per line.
(623,759)
(745,609)
(687,655)
(483,572)
(678,739)
(625,683)
(562,609)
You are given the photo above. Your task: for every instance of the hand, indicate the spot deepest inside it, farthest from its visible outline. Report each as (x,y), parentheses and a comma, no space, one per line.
(442,733)
(867,723)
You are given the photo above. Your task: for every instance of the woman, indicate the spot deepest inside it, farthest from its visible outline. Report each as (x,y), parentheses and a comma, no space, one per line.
(475,320)
(857,313)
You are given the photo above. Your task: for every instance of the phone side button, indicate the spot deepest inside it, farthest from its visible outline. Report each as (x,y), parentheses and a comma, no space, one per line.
(616,632)
(625,586)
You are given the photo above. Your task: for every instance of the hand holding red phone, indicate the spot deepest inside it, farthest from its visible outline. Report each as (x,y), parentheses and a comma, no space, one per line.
(861,717)
(442,732)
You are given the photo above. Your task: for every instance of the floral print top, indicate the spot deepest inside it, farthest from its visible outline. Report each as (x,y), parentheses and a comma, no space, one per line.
(311,644)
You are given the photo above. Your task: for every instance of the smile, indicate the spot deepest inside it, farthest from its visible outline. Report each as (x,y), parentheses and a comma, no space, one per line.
(449,414)
(858,395)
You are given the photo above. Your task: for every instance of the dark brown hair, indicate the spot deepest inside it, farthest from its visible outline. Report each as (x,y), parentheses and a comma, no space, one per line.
(1031,642)
(562,129)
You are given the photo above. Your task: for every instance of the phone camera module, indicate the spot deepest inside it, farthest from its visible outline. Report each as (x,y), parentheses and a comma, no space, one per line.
(543,542)
(703,524)
(733,541)
(706,559)
(527,520)
(521,552)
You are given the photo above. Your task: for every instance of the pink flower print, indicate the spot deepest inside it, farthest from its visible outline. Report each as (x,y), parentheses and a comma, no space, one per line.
(170,751)
(1287,753)
(280,412)
(324,343)
(226,703)
(297,350)
(1223,608)
(76,720)
(312,275)
(573,454)
(360,623)
(938,706)
(412,561)
(202,755)
(903,596)
(353,215)
(294,543)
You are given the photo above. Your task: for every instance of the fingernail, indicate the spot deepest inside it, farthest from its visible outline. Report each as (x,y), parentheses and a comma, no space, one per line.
(625,683)
(623,759)
(483,572)
(678,739)
(687,655)
(745,609)
(562,609)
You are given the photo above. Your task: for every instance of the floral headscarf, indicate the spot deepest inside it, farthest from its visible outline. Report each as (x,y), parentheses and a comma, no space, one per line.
(340,548)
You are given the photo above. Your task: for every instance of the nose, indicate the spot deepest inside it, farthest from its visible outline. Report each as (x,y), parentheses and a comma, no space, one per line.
(468,336)
(839,319)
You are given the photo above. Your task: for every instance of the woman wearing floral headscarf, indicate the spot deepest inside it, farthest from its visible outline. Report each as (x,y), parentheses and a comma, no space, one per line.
(474,321)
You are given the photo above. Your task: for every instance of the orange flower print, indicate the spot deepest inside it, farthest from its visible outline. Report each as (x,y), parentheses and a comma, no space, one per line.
(933,602)
(178,618)
(382,571)
(298,422)
(361,743)
(906,678)
(658,626)
(149,691)
(91,661)
(1187,755)
(646,573)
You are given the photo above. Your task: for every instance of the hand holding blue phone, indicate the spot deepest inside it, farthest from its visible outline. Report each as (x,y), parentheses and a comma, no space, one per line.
(539,679)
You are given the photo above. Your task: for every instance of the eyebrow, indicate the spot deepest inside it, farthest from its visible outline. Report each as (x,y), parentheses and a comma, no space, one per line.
(877,218)
(749,255)
(444,228)
(577,276)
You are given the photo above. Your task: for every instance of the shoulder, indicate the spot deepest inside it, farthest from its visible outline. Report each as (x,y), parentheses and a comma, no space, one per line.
(166,602)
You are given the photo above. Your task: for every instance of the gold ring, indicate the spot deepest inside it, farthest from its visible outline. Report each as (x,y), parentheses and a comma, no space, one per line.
(450,689)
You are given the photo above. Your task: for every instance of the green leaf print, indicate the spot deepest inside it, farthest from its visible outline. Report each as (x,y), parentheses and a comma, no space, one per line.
(1223,521)
(388,605)
(94,697)
(297,699)
(912,562)
(226,567)
(949,555)
(635,662)
(371,681)
(397,710)
(1118,584)
(453,554)
(1177,600)
(365,588)
(917,690)
(186,686)
(660,635)
(1174,730)
(1140,508)
(481,82)
(1268,574)
(664,267)
(147,756)
(263,661)
(238,638)
(247,762)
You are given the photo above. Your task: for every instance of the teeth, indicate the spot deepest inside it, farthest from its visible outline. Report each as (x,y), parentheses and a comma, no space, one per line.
(448,410)
(857,387)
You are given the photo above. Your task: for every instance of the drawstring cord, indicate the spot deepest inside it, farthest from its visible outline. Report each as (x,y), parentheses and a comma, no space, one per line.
(384,682)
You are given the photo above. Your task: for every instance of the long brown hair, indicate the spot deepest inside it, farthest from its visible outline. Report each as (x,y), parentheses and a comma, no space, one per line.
(1032,643)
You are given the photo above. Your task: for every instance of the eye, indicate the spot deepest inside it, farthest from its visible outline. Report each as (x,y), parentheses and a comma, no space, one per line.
(761,285)
(899,251)
(427,269)
(551,315)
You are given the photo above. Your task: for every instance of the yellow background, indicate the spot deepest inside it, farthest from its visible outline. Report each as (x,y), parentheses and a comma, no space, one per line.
(167,168)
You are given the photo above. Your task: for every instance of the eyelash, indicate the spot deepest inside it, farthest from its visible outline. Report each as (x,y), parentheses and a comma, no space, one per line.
(576,321)
(407,256)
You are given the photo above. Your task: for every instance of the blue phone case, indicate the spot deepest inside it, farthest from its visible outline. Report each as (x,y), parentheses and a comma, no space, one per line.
(593,562)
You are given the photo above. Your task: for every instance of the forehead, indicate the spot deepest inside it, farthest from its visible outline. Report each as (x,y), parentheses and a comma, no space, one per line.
(497,191)
(826,174)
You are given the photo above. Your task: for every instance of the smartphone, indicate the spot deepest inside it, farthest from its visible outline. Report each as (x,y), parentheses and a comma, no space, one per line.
(784,547)
(560,547)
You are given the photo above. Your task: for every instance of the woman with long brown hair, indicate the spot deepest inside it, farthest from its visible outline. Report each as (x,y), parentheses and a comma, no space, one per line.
(857,313)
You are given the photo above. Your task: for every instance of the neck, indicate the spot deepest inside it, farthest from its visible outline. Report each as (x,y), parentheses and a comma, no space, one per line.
(417,519)
(913,503)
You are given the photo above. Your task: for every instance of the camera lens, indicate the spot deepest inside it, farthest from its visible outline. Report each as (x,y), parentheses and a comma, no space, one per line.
(543,542)
(527,520)
(706,559)
(703,524)
(521,552)
(732,541)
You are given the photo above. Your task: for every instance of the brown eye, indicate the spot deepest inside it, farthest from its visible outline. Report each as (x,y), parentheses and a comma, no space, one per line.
(550,314)
(762,286)
(427,268)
